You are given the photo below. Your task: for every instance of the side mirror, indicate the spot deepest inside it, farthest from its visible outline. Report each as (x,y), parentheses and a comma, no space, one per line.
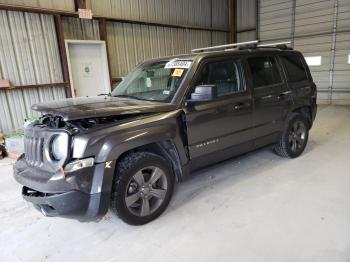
(204,93)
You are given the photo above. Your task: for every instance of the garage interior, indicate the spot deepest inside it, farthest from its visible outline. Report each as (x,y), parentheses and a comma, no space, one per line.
(256,207)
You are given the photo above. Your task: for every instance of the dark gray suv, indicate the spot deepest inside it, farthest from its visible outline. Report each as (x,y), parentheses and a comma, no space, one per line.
(168,117)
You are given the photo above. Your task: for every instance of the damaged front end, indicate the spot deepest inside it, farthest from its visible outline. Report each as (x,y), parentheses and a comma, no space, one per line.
(55,182)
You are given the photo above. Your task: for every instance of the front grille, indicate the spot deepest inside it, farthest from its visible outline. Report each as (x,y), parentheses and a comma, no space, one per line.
(37,141)
(34,150)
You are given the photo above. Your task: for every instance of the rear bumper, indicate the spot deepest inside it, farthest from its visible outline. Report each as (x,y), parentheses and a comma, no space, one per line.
(83,195)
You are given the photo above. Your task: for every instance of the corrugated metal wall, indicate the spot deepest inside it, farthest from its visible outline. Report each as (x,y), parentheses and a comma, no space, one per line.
(316,28)
(246,20)
(29,51)
(341,78)
(205,13)
(65,5)
(130,44)
(316,16)
(275,19)
(83,29)
(220,13)
(28,56)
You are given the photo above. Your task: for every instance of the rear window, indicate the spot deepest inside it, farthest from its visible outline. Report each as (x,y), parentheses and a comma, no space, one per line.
(264,70)
(294,68)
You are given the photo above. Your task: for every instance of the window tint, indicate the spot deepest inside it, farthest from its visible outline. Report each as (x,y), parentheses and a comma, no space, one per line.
(294,68)
(264,70)
(226,75)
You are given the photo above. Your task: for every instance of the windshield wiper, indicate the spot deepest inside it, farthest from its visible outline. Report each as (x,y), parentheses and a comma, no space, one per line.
(132,97)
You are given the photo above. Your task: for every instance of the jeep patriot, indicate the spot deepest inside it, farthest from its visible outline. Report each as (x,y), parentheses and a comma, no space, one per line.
(168,117)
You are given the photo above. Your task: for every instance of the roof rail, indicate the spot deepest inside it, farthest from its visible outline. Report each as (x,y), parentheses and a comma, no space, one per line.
(223,47)
(277,44)
(249,44)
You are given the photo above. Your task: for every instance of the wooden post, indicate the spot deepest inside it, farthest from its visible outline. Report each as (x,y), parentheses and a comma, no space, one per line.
(233,20)
(79,4)
(63,54)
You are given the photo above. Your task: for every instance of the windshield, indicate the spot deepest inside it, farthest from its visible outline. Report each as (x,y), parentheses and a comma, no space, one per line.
(157,81)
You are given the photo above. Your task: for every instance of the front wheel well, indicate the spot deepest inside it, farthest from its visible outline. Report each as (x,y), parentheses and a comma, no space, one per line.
(306,112)
(165,149)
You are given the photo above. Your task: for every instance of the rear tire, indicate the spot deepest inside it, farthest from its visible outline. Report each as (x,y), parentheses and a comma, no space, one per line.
(294,137)
(142,188)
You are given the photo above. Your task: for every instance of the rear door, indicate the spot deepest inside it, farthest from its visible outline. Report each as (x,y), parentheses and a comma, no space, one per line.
(300,85)
(223,126)
(268,85)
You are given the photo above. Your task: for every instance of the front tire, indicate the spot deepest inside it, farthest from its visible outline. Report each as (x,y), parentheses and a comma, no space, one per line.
(294,137)
(142,188)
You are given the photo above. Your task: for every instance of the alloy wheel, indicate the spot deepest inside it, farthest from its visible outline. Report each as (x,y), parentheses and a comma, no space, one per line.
(146,191)
(297,136)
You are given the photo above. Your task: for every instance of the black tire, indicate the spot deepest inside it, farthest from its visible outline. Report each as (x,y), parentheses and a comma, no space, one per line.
(290,144)
(127,169)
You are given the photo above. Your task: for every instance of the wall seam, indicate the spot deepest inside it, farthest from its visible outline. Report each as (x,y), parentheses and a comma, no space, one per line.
(333,49)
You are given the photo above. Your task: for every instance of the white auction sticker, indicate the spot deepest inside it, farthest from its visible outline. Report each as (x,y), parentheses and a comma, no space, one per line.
(178,64)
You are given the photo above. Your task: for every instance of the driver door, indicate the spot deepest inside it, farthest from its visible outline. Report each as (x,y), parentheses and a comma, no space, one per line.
(220,128)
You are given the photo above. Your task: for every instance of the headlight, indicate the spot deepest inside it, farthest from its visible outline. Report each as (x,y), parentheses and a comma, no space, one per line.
(59,146)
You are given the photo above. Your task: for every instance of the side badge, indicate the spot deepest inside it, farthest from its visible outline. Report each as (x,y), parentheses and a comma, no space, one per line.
(108,164)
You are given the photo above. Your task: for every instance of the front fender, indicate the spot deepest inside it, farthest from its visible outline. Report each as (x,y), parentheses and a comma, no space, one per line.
(117,144)
(109,143)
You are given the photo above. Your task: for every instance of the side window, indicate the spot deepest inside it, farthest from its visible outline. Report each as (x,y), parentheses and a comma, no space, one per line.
(294,68)
(226,75)
(264,70)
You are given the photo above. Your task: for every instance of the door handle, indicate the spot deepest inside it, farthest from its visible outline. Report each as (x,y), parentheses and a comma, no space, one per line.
(241,106)
(267,97)
(282,95)
(306,87)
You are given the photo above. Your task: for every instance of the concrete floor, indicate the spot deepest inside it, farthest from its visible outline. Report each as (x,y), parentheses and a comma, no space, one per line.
(258,207)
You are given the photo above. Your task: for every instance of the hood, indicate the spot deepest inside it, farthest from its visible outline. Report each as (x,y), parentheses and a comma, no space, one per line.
(101,106)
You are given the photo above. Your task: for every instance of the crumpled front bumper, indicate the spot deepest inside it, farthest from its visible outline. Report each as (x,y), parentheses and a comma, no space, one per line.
(83,194)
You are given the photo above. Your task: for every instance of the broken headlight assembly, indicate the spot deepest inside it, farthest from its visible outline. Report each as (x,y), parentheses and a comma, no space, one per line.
(59,147)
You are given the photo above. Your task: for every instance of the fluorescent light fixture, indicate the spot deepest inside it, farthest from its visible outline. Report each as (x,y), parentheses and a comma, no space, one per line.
(349,59)
(313,60)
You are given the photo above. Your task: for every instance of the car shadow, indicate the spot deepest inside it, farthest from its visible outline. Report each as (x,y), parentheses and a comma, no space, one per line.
(225,175)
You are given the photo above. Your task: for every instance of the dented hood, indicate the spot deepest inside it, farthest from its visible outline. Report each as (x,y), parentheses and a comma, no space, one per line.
(101,106)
